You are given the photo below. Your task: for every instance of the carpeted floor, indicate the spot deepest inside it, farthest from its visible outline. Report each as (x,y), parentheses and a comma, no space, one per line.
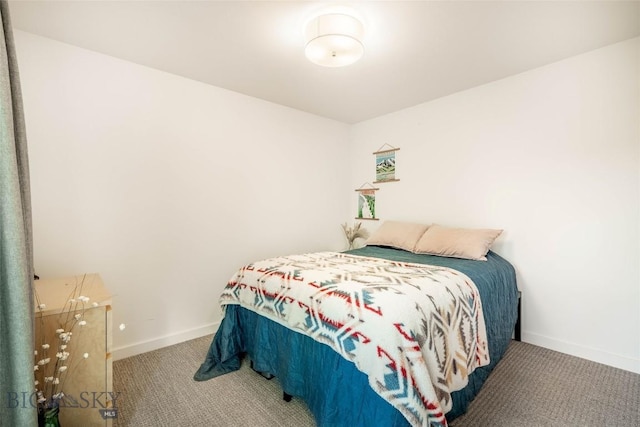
(530,387)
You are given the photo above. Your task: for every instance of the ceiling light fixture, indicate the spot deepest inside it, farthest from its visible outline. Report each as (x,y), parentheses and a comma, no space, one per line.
(334,40)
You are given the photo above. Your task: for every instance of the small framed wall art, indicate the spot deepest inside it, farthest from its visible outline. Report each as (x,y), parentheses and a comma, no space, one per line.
(386,164)
(367,202)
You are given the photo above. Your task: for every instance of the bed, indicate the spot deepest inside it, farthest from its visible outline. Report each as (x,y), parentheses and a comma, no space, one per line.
(328,372)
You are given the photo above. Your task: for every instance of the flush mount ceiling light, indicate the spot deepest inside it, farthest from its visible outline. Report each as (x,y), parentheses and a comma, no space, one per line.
(334,40)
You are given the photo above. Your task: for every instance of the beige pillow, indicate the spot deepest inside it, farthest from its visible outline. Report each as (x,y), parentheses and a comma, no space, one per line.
(400,235)
(457,242)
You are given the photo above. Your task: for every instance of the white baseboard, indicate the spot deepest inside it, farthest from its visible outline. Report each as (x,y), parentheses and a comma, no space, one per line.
(165,341)
(593,354)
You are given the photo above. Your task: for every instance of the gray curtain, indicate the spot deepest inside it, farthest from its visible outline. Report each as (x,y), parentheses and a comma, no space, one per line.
(16,251)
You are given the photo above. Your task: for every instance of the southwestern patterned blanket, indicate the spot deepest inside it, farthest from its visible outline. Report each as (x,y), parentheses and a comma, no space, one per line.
(417,331)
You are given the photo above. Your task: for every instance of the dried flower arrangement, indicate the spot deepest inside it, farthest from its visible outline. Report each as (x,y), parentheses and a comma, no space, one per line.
(354,232)
(53,356)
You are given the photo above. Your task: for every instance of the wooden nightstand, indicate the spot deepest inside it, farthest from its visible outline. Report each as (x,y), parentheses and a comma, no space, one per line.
(87,383)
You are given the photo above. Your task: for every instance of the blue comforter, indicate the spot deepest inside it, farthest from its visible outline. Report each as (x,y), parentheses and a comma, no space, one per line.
(335,391)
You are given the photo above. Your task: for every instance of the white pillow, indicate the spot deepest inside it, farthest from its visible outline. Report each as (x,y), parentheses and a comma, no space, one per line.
(399,235)
(457,242)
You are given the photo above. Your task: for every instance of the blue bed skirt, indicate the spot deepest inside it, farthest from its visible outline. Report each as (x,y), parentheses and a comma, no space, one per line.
(336,393)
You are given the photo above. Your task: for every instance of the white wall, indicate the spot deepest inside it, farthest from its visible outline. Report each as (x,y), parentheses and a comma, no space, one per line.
(552,157)
(165,186)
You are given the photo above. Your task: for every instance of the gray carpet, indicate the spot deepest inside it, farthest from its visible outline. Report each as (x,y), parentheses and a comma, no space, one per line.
(530,387)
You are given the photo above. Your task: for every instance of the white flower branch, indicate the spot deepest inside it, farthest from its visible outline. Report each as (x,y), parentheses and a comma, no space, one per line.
(48,378)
